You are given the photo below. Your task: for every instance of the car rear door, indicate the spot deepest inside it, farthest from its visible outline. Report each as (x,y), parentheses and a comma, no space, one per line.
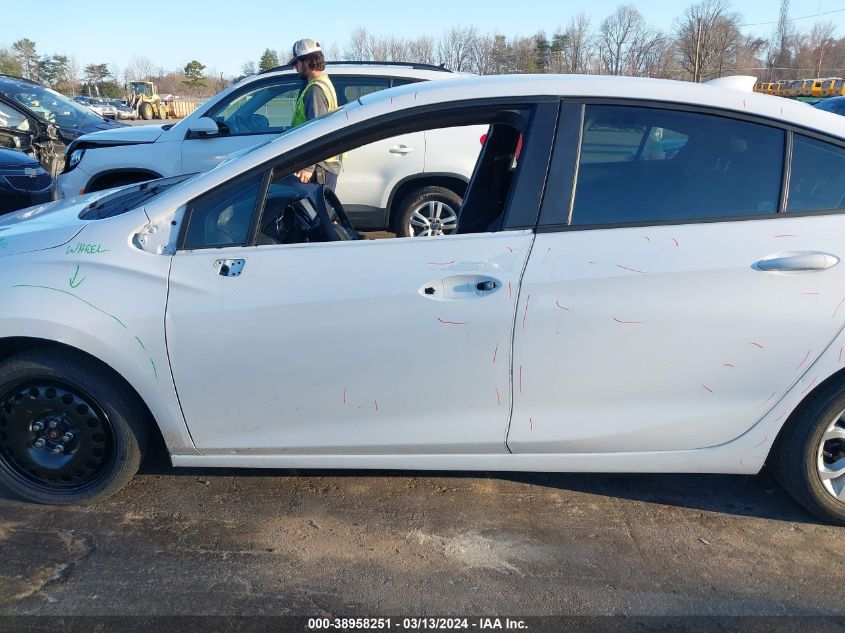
(673,293)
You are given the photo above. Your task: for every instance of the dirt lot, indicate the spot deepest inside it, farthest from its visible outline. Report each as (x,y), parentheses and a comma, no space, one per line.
(226,542)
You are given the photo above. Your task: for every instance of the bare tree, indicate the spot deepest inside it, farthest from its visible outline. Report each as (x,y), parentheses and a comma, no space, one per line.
(140,68)
(454,48)
(421,50)
(358,47)
(72,75)
(580,43)
(481,55)
(621,35)
(706,38)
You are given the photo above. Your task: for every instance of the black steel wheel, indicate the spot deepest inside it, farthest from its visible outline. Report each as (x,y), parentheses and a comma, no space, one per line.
(70,430)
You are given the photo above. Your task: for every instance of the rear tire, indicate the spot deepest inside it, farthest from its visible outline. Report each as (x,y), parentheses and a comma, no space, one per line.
(809,449)
(428,211)
(70,431)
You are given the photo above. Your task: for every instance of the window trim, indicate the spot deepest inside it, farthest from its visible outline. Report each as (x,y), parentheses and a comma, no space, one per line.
(300,156)
(551,208)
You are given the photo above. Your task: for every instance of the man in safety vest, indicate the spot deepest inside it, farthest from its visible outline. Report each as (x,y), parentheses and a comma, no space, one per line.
(318,97)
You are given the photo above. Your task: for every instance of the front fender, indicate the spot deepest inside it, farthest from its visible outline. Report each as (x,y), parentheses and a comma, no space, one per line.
(107,299)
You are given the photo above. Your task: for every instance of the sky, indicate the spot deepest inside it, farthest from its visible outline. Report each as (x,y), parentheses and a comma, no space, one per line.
(224,36)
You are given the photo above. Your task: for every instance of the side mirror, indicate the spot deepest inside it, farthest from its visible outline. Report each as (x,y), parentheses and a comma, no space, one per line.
(204,126)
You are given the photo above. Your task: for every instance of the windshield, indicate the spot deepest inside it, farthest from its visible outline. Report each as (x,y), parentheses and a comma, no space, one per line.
(50,106)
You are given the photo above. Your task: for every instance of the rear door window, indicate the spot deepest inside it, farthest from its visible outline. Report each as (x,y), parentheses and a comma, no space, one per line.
(350,88)
(652,165)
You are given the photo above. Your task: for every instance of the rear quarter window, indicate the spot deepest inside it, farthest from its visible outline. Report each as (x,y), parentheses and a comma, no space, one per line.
(817,182)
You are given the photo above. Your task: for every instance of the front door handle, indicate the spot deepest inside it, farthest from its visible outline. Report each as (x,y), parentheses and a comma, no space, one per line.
(797,261)
(229,267)
(401,149)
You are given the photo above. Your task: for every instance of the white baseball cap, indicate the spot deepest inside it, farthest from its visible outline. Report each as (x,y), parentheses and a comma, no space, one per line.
(304,47)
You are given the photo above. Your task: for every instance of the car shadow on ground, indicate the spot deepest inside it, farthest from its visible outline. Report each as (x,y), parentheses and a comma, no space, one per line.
(757,496)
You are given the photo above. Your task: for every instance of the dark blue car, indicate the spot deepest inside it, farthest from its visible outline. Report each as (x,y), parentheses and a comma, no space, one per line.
(41,122)
(23,181)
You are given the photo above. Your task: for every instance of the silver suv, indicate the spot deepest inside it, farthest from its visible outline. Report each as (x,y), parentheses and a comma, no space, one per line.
(411,184)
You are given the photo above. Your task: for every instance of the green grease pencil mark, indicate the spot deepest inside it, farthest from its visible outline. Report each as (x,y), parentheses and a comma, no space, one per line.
(70,294)
(73,279)
(86,249)
(155,371)
(141,343)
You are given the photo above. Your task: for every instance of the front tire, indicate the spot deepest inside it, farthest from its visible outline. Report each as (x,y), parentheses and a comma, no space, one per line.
(428,211)
(809,459)
(146,111)
(70,430)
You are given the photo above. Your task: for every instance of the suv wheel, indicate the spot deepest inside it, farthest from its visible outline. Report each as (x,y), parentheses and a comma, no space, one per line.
(428,211)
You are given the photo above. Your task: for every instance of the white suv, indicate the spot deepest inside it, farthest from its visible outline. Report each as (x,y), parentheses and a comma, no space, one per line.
(412,184)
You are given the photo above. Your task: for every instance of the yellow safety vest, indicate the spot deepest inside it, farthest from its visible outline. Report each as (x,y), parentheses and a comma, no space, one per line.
(327,87)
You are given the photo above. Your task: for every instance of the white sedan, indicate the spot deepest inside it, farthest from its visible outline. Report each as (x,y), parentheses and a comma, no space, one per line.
(646,277)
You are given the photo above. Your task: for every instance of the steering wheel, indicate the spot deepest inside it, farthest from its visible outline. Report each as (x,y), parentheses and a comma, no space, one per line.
(341,230)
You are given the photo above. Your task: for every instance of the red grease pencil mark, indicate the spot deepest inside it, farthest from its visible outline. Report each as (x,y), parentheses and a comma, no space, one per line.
(761,443)
(495,353)
(648,238)
(520,380)
(840,353)
(805,359)
(633,270)
(547,253)
(344,395)
(676,242)
(627,322)
(592,262)
(509,248)
(510,292)
(375,403)
(708,388)
(498,398)
(531,424)
(809,293)
(557,303)
(451,322)
(835,312)
(781,418)
(441,263)
(810,385)
(727,365)
(525,316)
(757,345)
(785,235)
(743,103)
(415,96)
(347,115)
(391,100)
(768,401)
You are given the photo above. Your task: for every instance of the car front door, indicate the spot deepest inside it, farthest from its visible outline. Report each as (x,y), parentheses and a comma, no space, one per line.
(674,301)
(368,346)
(254,115)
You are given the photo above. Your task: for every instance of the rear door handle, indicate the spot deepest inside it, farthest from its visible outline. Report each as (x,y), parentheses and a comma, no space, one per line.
(401,149)
(797,262)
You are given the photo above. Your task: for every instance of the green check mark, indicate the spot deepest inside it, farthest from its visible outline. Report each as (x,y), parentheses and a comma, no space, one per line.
(73,282)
